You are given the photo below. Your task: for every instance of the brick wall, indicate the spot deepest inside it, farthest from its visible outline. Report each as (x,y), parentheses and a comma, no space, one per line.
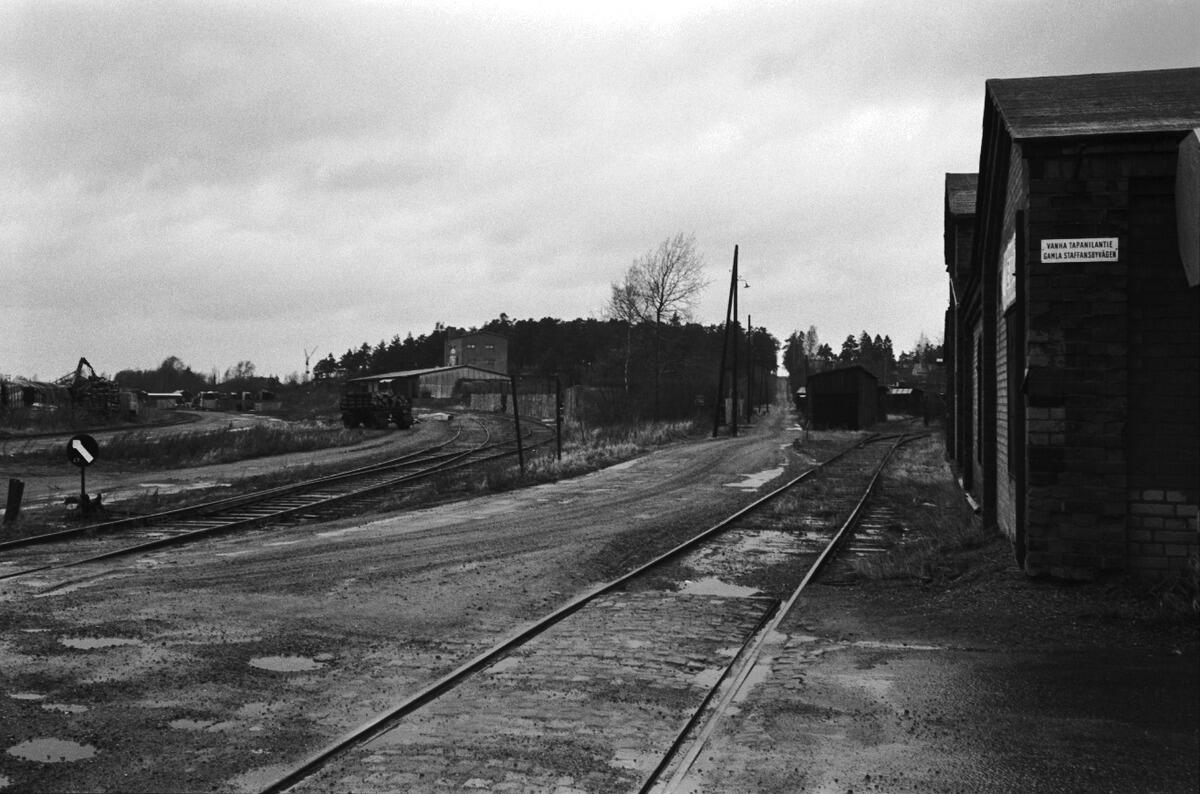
(1112,368)
(1164,377)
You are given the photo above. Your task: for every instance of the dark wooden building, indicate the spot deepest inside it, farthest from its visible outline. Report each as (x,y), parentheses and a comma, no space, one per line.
(959,234)
(846,398)
(1076,325)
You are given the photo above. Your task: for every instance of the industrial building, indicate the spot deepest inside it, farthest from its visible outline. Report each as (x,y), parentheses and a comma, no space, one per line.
(438,382)
(1073,335)
(482,349)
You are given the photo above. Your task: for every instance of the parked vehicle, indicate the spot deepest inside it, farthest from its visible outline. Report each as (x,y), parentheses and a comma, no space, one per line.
(374,403)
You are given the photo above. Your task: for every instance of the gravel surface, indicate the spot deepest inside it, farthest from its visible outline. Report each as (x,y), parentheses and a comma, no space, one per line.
(220,665)
(215,666)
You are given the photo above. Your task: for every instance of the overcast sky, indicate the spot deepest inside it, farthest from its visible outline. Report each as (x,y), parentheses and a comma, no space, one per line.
(223,181)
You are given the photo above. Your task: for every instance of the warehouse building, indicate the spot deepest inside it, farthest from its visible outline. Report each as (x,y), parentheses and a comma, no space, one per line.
(438,382)
(1076,323)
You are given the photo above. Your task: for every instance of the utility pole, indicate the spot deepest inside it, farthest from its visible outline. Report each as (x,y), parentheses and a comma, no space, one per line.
(725,347)
(749,367)
(733,427)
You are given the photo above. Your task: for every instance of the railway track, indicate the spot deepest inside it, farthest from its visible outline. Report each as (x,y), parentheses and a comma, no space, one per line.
(618,689)
(320,499)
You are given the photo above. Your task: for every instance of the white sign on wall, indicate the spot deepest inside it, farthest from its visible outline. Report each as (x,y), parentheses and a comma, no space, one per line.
(1008,273)
(1080,249)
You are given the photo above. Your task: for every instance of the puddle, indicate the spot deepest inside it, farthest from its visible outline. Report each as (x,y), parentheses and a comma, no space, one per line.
(91,643)
(285,664)
(758,674)
(712,586)
(26,696)
(752,482)
(189,725)
(507,663)
(52,751)
(65,708)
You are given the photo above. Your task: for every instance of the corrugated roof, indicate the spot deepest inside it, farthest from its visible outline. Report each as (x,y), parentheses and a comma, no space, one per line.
(1099,104)
(960,193)
(414,373)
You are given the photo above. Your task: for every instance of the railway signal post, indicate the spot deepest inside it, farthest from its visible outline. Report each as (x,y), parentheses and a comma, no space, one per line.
(82,450)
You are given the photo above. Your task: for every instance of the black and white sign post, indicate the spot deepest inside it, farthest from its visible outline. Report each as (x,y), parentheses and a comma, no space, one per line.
(82,450)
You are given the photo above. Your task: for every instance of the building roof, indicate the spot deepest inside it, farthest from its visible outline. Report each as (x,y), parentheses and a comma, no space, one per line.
(416,373)
(960,193)
(1098,104)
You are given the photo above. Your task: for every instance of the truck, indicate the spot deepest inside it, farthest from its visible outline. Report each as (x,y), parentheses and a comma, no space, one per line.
(372,402)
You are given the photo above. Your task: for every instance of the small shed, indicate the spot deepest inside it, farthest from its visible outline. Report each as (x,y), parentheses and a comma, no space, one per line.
(904,400)
(846,398)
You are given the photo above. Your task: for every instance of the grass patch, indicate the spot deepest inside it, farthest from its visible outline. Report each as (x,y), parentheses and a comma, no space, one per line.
(227,445)
(583,452)
(918,488)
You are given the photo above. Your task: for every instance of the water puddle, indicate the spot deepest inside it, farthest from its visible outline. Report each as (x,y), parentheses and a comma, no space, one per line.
(708,678)
(91,643)
(712,586)
(26,696)
(752,482)
(507,663)
(212,726)
(52,751)
(65,708)
(285,664)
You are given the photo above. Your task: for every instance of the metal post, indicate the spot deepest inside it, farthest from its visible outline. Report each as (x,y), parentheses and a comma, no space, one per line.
(517,426)
(12,510)
(558,413)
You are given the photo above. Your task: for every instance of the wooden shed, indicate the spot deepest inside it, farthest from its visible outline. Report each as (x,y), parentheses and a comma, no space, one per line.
(846,398)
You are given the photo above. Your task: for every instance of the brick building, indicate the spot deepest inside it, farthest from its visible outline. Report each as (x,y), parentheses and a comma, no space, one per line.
(1076,322)
(480,349)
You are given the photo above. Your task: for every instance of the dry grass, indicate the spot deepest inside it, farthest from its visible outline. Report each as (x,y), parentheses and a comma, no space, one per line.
(919,489)
(230,444)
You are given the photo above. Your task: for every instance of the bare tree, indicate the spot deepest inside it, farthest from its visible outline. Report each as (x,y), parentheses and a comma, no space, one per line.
(663,283)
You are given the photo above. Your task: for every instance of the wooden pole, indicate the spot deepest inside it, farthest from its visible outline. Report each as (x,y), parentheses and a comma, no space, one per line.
(517,425)
(733,414)
(725,348)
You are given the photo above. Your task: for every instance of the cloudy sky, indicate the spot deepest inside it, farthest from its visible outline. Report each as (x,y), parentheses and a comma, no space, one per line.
(224,181)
